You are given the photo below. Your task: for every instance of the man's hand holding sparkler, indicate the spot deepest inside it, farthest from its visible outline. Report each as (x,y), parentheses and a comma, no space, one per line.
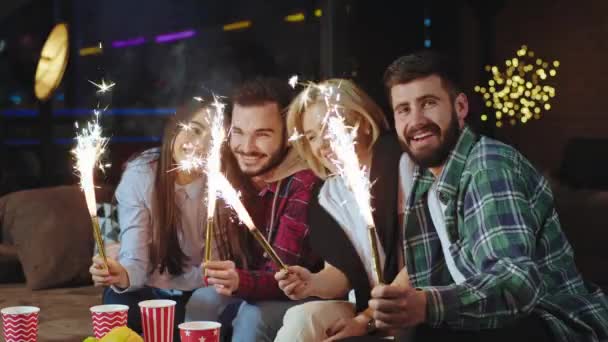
(115,274)
(398,307)
(222,275)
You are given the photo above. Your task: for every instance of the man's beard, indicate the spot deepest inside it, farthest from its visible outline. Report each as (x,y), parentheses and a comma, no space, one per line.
(275,159)
(439,155)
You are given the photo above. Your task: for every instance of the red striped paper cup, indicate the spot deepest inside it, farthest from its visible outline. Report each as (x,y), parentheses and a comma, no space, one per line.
(200,331)
(108,317)
(157,317)
(20,323)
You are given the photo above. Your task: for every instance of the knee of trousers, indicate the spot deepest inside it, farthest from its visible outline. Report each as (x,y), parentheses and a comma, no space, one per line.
(301,323)
(304,312)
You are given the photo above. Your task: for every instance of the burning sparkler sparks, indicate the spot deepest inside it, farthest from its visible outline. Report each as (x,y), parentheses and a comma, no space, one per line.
(232,198)
(213,167)
(293,81)
(218,135)
(90,146)
(295,136)
(342,140)
(103,86)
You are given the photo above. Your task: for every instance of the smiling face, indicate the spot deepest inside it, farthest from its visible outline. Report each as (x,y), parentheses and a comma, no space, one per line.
(193,137)
(316,135)
(427,121)
(257,137)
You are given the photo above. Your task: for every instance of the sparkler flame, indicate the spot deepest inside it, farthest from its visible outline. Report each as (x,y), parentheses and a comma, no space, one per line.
(232,198)
(103,86)
(295,136)
(293,81)
(90,146)
(342,142)
(213,168)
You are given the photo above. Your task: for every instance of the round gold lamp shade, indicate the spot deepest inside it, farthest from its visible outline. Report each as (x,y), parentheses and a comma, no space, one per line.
(52,62)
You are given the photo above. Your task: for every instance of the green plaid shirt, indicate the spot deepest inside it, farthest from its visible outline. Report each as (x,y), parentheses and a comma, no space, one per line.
(506,240)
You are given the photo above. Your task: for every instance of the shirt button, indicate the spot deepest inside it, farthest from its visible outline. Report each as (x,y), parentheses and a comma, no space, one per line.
(443,197)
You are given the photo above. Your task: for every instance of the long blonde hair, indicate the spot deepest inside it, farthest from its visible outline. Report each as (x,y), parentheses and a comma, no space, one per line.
(356,106)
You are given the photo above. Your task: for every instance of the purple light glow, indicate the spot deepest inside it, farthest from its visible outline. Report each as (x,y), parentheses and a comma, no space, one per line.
(169,37)
(128,42)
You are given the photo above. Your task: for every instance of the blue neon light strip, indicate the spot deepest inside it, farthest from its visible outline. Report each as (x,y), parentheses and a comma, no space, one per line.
(19,112)
(21,142)
(71,141)
(116,139)
(87,112)
(116,112)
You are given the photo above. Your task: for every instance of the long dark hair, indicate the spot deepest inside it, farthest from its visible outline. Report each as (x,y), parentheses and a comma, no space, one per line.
(166,254)
(165,250)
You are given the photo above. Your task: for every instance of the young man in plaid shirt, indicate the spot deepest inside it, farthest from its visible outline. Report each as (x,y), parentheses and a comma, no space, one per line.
(247,298)
(486,256)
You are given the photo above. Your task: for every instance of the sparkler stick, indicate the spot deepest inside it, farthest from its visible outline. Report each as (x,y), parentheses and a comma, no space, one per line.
(231,196)
(89,148)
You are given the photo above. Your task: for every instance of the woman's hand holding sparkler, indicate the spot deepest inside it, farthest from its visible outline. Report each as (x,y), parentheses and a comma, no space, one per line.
(115,274)
(222,275)
(297,283)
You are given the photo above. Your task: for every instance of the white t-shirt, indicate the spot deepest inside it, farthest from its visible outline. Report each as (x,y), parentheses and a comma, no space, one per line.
(436,209)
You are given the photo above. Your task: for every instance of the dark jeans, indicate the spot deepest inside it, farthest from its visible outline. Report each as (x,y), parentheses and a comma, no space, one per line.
(131,299)
(528,329)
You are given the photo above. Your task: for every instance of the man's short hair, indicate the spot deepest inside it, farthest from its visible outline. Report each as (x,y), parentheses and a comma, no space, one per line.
(421,64)
(261,90)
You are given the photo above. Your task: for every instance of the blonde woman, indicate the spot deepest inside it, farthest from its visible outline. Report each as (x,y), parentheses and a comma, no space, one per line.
(338,233)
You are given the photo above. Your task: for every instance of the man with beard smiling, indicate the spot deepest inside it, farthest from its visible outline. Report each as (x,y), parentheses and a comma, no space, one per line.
(247,297)
(486,256)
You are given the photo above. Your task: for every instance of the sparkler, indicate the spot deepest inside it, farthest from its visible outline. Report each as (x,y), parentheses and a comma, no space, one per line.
(295,136)
(342,140)
(213,167)
(293,81)
(210,164)
(90,146)
(231,196)
(103,86)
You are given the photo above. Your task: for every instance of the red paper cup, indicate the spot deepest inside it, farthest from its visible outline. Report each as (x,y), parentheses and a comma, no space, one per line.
(200,331)
(157,317)
(108,317)
(20,323)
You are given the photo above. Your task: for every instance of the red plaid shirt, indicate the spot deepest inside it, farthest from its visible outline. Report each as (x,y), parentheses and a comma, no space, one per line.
(289,236)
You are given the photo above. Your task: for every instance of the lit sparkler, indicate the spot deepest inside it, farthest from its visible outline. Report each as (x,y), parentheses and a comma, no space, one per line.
(342,141)
(293,81)
(231,196)
(295,136)
(90,146)
(103,86)
(213,168)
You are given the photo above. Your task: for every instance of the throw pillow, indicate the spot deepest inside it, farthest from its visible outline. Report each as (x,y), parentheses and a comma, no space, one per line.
(52,231)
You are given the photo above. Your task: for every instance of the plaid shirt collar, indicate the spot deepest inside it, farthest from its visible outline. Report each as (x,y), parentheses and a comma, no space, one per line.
(449,179)
(269,187)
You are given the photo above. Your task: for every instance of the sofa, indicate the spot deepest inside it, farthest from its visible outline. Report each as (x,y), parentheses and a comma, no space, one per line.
(53,258)
(45,253)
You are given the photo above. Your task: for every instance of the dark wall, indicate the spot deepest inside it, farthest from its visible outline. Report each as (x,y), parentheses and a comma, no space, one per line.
(575,33)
